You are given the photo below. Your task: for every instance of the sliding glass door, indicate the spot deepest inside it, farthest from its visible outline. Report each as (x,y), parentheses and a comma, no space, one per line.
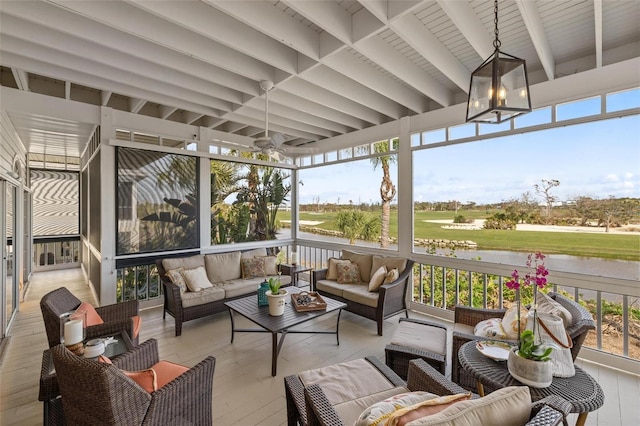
(8,274)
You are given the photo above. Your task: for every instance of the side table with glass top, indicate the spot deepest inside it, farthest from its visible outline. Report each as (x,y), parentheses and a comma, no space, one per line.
(49,392)
(581,391)
(294,271)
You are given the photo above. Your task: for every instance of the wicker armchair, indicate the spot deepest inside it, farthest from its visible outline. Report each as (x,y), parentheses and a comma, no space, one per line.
(116,317)
(422,377)
(582,323)
(97,393)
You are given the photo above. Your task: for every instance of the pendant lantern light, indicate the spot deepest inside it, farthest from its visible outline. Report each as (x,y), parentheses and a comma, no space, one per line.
(499,88)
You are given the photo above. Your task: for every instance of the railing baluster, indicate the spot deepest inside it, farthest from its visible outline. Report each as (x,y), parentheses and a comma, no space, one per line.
(625,325)
(599,319)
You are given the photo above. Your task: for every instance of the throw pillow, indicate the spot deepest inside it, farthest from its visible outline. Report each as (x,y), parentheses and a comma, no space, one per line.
(549,306)
(253,267)
(348,273)
(491,328)
(405,407)
(270,265)
(392,275)
(93,317)
(152,379)
(510,321)
(175,275)
(364,262)
(196,279)
(146,379)
(332,263)
(378,278)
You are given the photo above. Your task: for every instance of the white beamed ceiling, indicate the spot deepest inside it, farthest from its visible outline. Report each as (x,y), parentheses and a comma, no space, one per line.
(338,66)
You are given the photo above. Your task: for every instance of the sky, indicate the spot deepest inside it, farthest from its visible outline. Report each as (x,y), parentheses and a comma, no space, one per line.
(597,159)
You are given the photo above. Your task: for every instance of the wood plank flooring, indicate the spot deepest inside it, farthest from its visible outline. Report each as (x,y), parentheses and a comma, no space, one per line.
(244,392)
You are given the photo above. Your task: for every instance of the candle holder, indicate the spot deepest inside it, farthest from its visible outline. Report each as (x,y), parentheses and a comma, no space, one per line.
(73,330)
(294,258)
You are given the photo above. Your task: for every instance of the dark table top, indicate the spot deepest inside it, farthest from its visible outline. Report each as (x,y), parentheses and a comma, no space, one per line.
(581,390)
(248,308)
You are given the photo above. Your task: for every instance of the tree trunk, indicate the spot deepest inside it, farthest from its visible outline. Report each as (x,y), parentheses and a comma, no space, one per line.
(387,193)
(384,226)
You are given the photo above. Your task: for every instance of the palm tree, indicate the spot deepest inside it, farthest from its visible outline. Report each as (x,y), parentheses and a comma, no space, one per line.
(356,224)
(387,188)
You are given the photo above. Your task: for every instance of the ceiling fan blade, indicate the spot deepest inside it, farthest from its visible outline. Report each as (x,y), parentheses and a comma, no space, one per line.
(277,139)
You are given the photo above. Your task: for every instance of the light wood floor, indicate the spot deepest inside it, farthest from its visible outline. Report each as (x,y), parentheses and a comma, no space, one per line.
(244,391)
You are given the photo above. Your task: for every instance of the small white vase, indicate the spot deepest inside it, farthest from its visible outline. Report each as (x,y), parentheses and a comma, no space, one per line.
(537,374)
(277,302)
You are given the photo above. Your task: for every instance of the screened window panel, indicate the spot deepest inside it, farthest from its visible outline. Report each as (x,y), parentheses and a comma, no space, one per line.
(55,202)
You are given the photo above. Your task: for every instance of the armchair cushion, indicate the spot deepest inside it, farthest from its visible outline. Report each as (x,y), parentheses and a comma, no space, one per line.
(93,318)
(403,408)
(510,406)
(196,279)
(348,273)
(377,279)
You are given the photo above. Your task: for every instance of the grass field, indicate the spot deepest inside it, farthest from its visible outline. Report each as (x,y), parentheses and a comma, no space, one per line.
(609,246)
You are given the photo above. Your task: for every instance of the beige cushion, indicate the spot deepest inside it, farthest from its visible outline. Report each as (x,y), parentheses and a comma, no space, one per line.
(348,273)
(378,278)
(547,305)
(332,272)
(253,267)
(196,279)
(390,262)
(223,266)
(347,381)
(491,328)
(392,275)
(462,328)
(421,336)
(270,265)
(510,321)
(510,406)
(240,286)
(361,294)
(206,295)
(330,287)
(259,252)
(362,260)
(403,408)
(190,262)
(349,411)
(175,275)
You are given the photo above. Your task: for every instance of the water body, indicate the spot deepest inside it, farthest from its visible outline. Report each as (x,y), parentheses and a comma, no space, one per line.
(610,268)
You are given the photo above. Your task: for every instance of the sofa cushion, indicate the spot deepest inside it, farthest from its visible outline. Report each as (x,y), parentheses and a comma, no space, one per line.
(175,275)
(196,279)
(390,262)
(332,272)
(270,265)
(361,294)
(348,273)
(240,287)
(223,266)
(189,262)
(403,408)
(510,406)
(363,261)
(206,295)
(253,267)
(377,278)
(259,252)
(330,287)
(347,381)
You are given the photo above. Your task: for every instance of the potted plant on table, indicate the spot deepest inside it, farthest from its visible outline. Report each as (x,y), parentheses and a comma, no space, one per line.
(530,362)
(277,297)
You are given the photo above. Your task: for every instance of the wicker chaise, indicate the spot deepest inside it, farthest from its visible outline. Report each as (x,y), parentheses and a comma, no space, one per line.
(310,406)
(117,317)
(582,323)
(96,393)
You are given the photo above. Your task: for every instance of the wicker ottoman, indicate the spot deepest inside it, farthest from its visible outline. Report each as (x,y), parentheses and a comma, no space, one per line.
(416,338)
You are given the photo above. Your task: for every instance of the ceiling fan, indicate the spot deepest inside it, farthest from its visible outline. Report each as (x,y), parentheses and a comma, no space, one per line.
(268,144)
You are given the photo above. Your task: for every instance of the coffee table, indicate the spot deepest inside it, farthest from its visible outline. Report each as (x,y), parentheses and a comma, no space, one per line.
(581,391)
(259,315)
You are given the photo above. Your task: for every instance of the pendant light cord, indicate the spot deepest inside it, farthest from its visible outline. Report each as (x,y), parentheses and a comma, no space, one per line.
(496,42)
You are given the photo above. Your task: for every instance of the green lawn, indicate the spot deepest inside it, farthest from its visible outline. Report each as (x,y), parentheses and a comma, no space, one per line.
(610,246)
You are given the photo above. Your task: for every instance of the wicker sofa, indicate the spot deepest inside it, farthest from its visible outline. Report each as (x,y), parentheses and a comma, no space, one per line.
(466,318)
(387,301)
(224,272)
